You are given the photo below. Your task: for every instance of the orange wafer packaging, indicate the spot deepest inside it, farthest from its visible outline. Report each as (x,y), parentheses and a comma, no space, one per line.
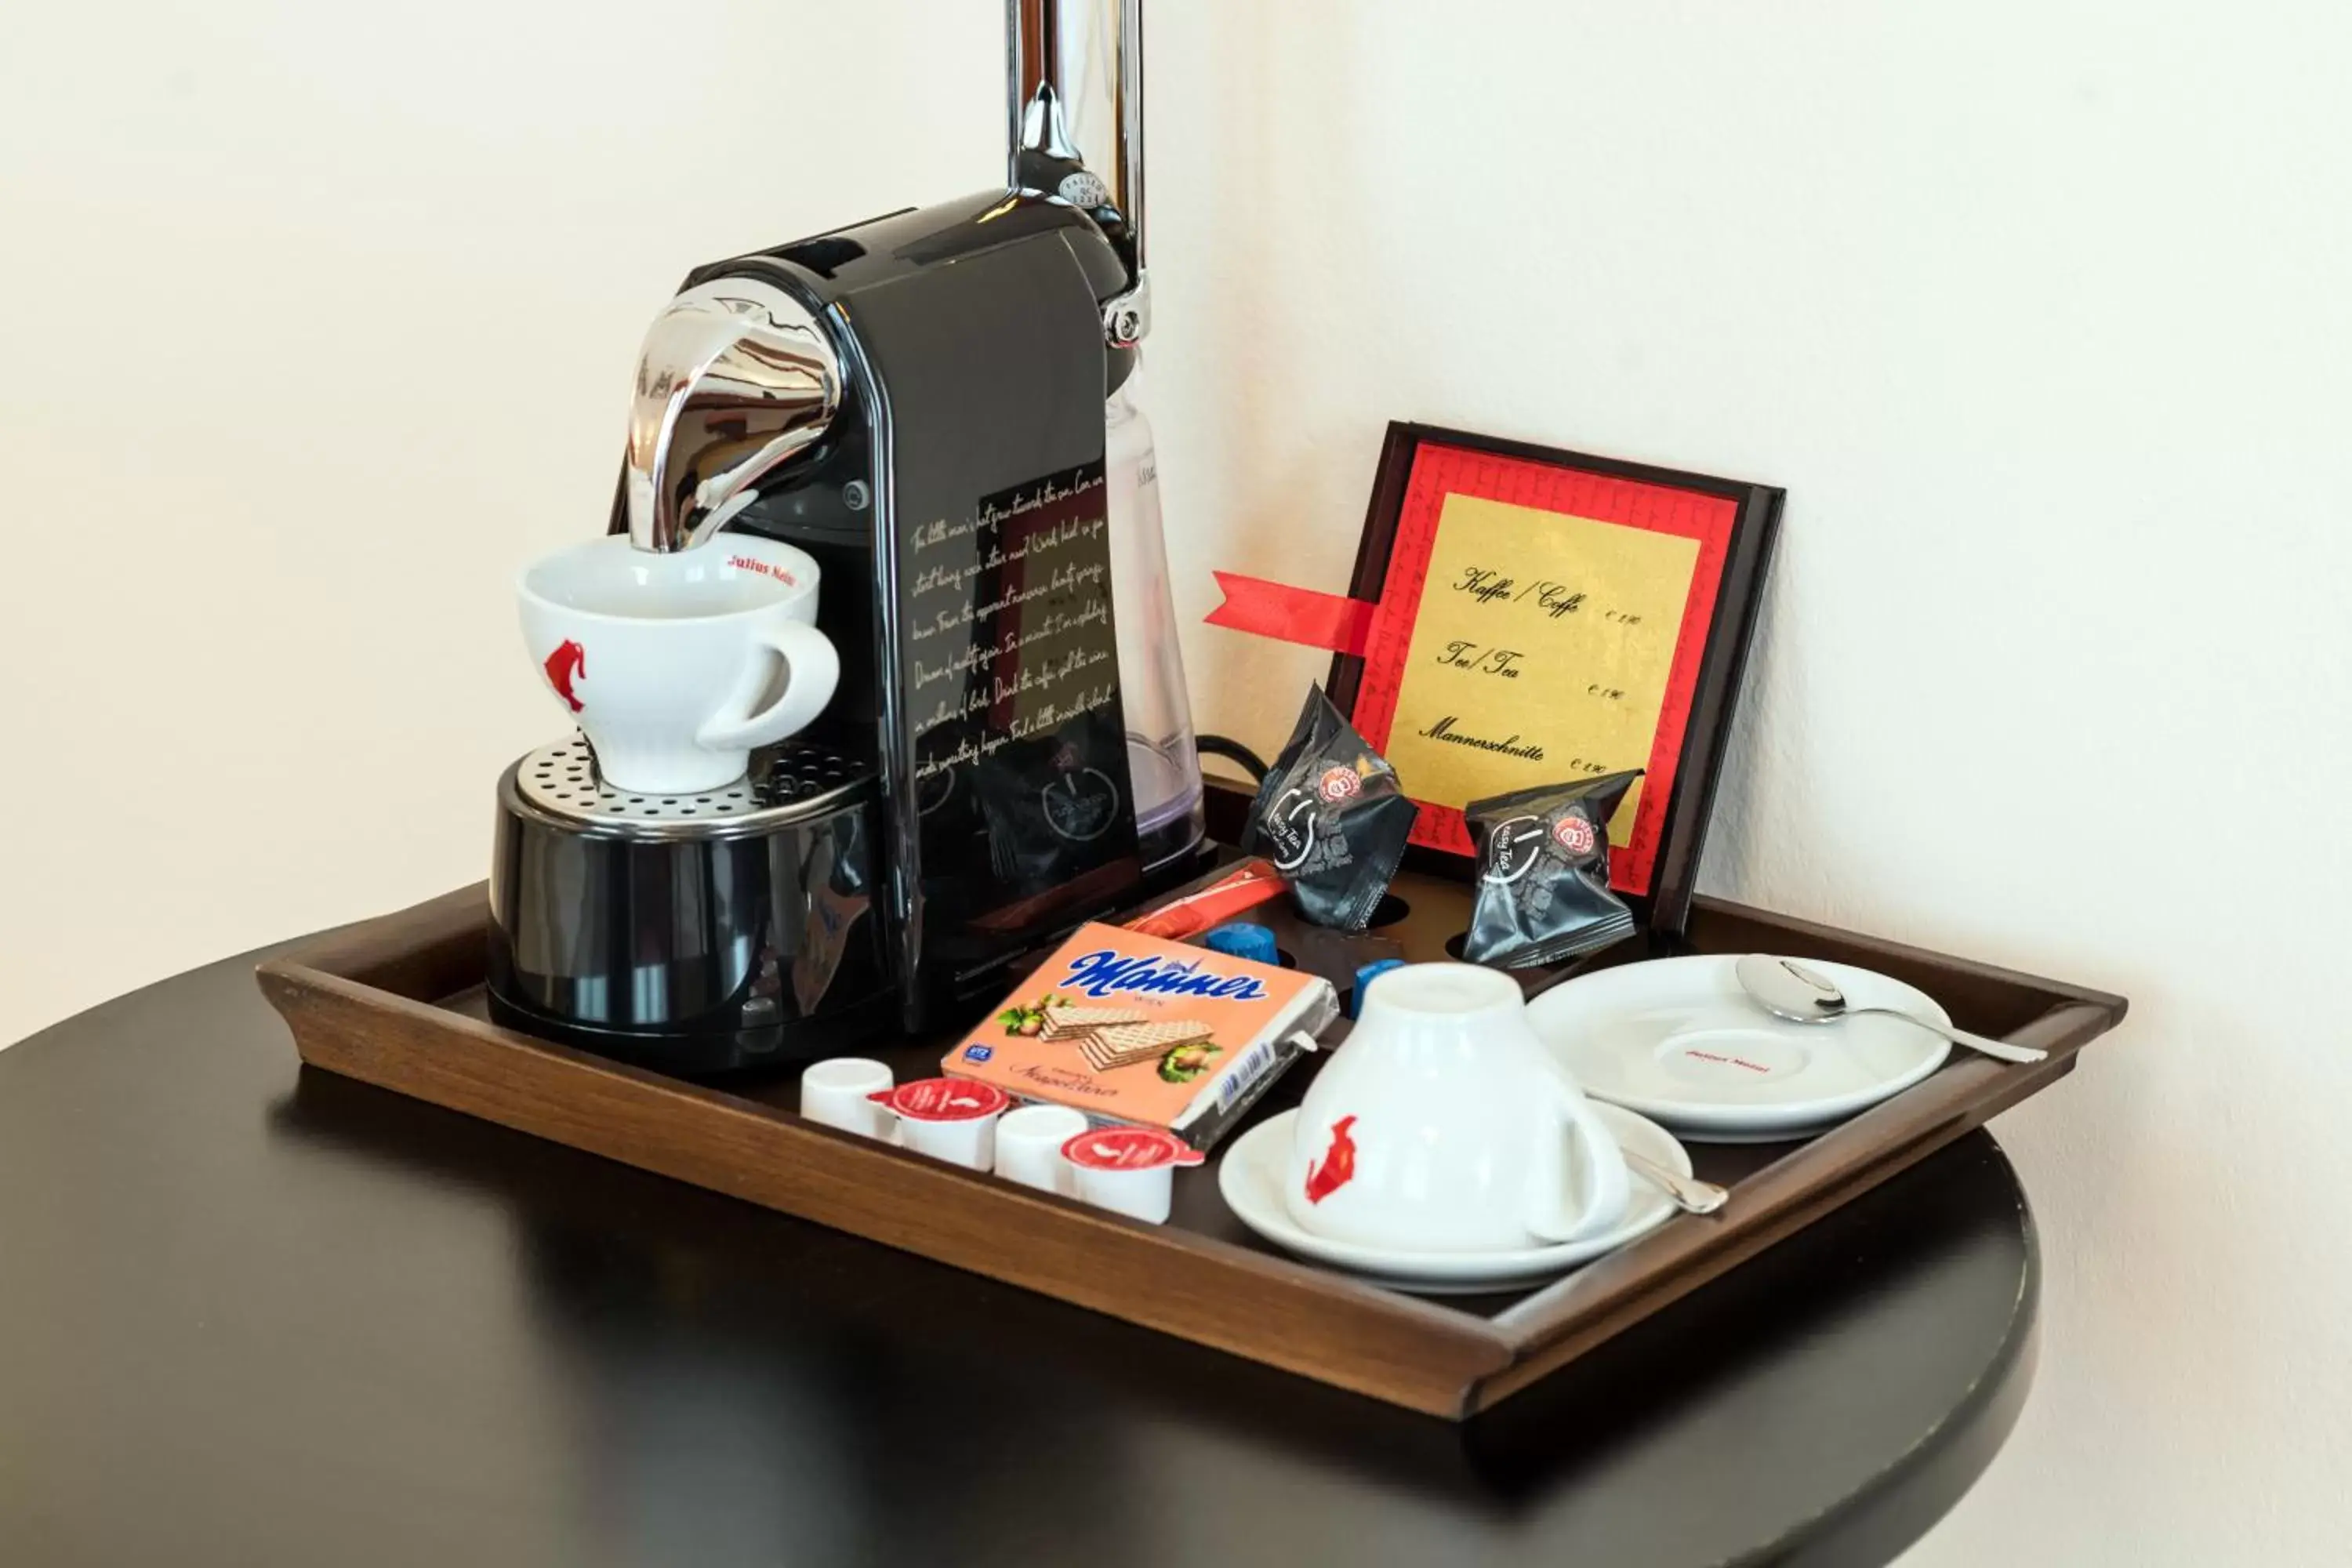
(1129,1027)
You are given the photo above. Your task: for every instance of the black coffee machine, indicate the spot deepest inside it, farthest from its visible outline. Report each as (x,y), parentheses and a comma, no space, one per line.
(918,401)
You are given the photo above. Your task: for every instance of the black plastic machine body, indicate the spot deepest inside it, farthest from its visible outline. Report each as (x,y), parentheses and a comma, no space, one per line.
(967,794)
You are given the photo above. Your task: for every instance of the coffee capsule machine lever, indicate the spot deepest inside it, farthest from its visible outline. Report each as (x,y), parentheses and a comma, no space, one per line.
(936,405)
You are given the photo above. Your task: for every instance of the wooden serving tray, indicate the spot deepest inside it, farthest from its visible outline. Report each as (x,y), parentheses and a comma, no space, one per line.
(397,1002)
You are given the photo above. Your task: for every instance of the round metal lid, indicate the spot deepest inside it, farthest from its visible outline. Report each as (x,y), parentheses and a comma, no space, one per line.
(787,783)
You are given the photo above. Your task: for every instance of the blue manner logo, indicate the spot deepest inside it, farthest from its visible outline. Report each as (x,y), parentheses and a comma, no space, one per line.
(979,1053)
(1107,973)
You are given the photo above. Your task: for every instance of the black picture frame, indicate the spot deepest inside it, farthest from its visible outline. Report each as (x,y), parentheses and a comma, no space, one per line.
(1664,907)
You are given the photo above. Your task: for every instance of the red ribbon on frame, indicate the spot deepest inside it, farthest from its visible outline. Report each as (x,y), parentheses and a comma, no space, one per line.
(1332,622)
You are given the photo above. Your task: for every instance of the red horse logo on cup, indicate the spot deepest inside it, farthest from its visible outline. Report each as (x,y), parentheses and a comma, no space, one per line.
(1337,1166)
(568,663)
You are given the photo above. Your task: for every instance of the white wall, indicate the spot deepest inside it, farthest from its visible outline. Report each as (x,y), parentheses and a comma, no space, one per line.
(315,320)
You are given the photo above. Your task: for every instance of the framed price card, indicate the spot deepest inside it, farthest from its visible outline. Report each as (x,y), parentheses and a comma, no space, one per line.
(1524,616)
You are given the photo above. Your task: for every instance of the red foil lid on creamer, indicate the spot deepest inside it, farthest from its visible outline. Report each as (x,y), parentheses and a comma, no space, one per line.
(943,1099)
(1127,1149)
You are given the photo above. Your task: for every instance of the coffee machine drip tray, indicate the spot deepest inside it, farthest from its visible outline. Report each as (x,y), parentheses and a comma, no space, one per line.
(789,781)
(702,934)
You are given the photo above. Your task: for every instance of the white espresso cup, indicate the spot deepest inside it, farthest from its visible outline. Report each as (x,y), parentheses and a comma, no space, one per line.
(677,664)
(1441,1125)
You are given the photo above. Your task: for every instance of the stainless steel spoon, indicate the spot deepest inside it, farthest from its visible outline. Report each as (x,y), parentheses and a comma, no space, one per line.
(1687,1194)
(1788,989)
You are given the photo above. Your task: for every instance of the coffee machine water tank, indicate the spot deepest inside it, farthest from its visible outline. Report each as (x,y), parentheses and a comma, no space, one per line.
(1075,124)
(1162,764)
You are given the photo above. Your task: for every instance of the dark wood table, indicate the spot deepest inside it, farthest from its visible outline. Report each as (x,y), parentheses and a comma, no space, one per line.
(252,1315)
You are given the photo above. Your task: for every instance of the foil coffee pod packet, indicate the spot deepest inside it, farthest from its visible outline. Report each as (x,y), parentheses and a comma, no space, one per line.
(1543,874)
(1331,817)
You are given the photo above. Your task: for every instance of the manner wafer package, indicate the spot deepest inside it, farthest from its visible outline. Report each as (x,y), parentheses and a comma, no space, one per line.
(1129,1027)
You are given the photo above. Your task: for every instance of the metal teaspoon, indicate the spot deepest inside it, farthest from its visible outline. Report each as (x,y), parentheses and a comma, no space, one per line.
(1788,989)
(1687,1194)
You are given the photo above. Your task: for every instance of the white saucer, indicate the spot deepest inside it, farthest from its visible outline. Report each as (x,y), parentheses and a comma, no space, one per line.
(1250,1177)
(1676,1038)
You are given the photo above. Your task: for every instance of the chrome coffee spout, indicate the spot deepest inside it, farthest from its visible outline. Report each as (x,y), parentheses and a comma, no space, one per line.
(1075,123)
(734,379)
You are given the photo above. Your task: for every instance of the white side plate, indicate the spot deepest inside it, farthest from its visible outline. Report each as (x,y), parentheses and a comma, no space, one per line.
(1676,1038)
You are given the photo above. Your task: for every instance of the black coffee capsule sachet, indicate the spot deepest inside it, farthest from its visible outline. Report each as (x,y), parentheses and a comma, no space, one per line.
(1543,873)
(1331,817)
